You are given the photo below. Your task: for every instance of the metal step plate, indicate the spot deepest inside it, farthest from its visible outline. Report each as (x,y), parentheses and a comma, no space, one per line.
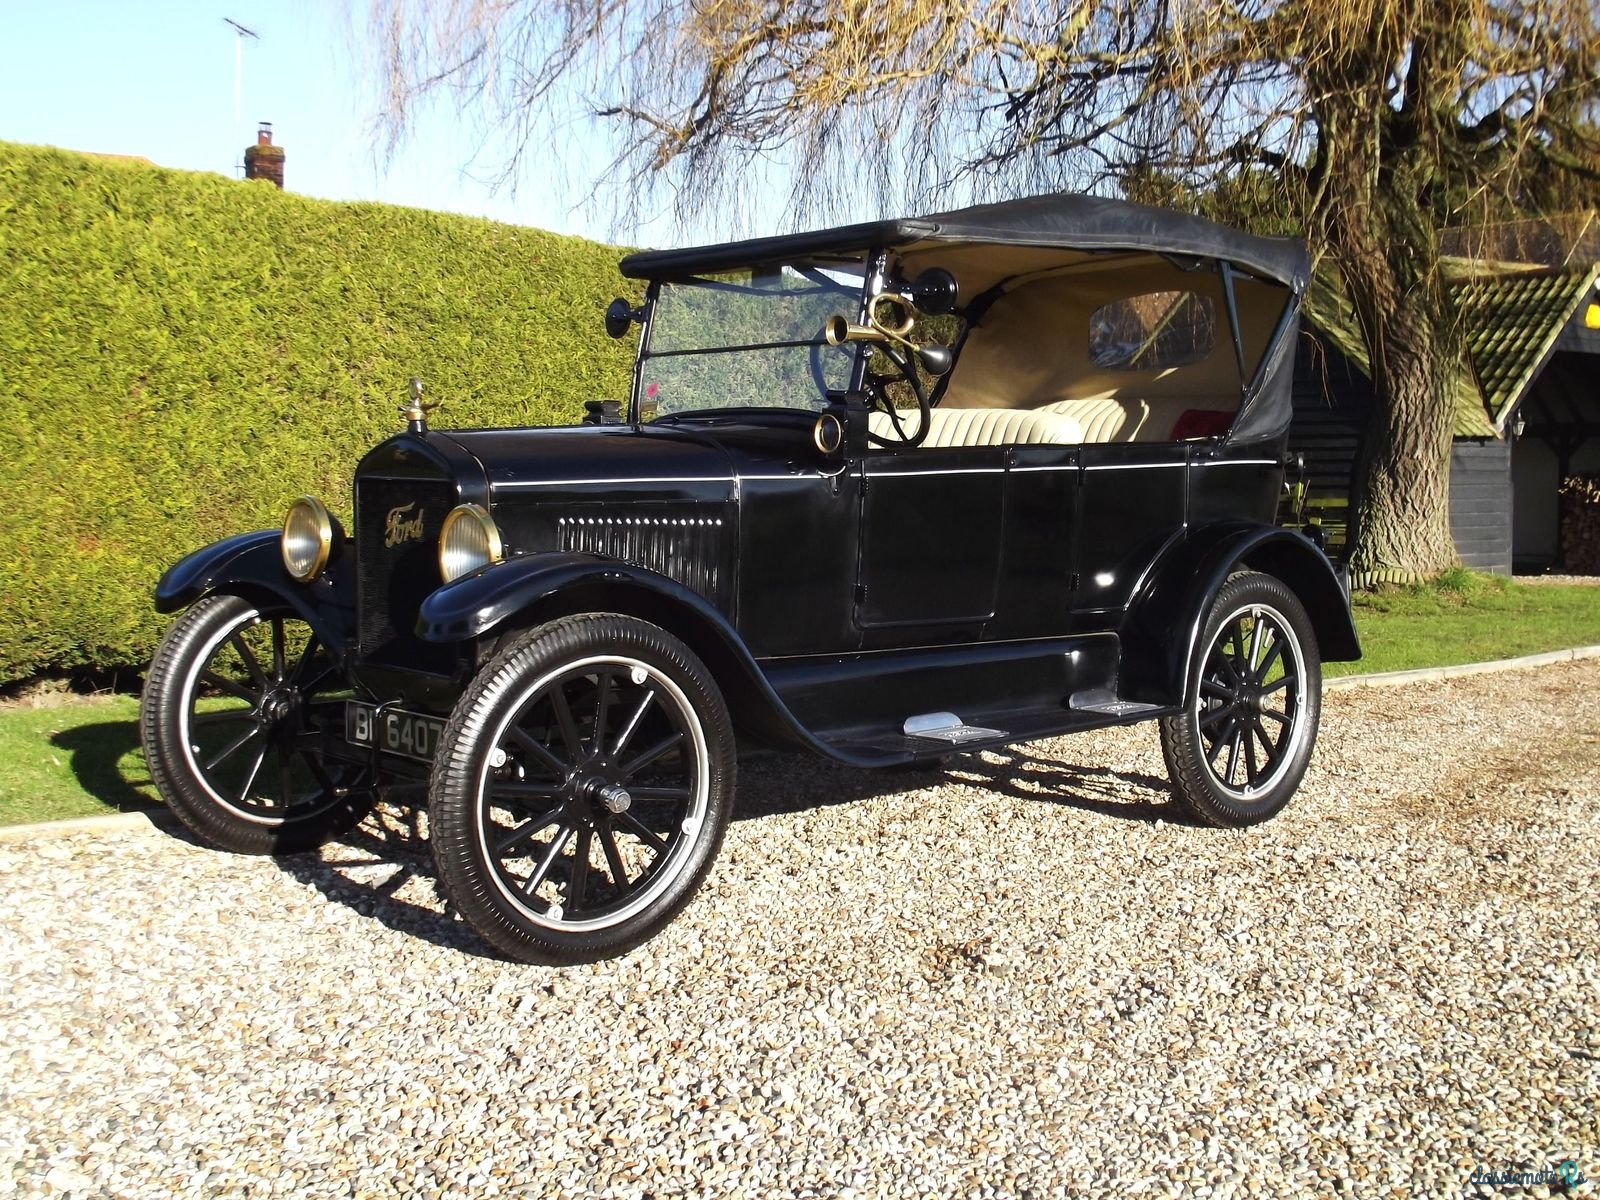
(948,728)
(1111,708)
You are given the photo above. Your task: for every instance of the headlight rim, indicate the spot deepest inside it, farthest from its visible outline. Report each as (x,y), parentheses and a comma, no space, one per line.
(325,526)
(491,533)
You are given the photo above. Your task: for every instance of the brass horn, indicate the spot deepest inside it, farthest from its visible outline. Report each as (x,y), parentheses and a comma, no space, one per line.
(881,324)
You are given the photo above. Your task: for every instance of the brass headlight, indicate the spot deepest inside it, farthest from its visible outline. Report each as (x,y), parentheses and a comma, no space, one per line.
(307,538)
(468,540)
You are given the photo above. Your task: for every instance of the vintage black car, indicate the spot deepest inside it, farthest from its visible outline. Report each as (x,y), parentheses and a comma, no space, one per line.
(883,493)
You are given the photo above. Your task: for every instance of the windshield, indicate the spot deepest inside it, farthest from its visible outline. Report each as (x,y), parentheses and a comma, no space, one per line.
(747,339)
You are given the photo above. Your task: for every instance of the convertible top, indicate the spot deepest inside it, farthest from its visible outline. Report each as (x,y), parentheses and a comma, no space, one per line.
(1059,221)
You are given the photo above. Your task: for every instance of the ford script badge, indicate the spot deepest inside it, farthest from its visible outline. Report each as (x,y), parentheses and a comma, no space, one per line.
(399,527)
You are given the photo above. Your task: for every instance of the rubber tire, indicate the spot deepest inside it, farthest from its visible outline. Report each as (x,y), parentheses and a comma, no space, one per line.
(459,763)
(160,708)
(1195,786)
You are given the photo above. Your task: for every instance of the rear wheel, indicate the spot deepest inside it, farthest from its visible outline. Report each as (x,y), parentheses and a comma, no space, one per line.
(1237,751)
(241,707)
(582,789)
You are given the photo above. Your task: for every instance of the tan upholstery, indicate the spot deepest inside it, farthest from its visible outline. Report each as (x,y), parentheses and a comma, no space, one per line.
(1111,419)
(985,427)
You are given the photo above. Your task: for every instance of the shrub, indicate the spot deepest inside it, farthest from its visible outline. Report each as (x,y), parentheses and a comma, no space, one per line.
(182,354)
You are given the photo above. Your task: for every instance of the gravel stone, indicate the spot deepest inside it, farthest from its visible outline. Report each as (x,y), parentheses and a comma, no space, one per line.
(1026,975)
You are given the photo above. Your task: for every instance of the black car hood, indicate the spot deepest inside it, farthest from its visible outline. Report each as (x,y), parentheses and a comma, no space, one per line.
(618,460)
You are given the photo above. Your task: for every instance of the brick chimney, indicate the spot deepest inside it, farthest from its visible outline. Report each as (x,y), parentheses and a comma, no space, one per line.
(264,160)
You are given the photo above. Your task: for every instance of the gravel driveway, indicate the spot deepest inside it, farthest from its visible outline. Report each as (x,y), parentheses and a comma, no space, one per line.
(1021,977)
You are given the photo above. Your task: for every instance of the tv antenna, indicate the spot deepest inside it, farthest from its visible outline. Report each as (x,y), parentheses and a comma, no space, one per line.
(240,33)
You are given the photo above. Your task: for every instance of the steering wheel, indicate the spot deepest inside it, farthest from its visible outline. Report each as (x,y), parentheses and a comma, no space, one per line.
(880,398)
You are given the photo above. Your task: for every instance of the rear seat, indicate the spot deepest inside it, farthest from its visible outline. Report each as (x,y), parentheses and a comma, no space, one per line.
(985,427)
(1067,422)
(1117,419)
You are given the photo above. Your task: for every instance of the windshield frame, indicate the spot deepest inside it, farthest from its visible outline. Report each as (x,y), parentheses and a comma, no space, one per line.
(871,266)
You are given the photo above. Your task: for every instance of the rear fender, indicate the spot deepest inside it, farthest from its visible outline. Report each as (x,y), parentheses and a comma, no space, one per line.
(251,565)
(530,590)
(1165,619)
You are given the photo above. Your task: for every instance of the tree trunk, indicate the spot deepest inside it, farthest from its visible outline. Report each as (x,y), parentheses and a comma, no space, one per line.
(1402,489)
(1400,507)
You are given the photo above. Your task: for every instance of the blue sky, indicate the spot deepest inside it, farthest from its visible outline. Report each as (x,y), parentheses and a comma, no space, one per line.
(155,78)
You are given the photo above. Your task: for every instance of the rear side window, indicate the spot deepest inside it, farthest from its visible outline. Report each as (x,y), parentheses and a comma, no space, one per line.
(1152,332)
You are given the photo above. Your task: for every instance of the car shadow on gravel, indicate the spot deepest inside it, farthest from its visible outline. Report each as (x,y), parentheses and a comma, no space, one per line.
(1125,795)
(368,868)
(767,786)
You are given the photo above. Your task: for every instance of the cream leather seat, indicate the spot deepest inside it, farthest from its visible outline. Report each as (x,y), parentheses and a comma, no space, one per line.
(1119,419)
(985,427)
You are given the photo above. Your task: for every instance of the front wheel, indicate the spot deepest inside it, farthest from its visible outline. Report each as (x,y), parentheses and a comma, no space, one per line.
(1237,751)
(582,789)
(241,722)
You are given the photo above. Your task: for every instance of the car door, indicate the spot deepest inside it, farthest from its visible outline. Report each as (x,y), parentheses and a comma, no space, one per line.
(1037,564)
(797,559)
(931,522)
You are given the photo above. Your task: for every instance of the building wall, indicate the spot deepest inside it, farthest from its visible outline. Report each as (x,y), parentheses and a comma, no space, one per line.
(1534,509)
(1480,503)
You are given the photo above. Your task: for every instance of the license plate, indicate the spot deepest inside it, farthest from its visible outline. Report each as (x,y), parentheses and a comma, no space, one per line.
(413,735)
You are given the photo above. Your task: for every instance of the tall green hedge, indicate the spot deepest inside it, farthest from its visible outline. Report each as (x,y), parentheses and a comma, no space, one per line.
(183,354)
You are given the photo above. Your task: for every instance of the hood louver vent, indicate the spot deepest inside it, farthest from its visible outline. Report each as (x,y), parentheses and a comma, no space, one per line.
(690,549)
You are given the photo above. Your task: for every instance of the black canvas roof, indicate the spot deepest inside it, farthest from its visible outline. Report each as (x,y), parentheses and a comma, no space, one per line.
(1063,221)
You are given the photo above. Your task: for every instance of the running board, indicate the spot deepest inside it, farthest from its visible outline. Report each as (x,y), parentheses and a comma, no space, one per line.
(898,744)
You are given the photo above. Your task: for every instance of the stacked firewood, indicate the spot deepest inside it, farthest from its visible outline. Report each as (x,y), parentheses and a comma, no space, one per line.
(1580,523)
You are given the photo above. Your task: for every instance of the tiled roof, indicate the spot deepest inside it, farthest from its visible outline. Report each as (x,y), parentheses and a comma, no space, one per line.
(1511,325)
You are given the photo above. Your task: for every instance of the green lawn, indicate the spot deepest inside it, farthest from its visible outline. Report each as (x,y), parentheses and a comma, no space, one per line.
(81,757)
(1469,618)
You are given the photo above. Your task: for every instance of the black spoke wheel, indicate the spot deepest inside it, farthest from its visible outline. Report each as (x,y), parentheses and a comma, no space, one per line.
(241,708)
(582,789)
(1237,751)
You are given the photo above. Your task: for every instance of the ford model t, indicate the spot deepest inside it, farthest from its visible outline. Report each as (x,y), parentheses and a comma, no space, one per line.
(882,493)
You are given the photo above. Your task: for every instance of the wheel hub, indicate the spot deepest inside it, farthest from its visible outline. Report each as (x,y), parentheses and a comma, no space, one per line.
(279,704)
(612,797)
(591,795)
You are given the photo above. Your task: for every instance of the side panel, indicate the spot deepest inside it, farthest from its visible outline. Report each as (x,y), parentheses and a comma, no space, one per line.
(1131,506)
(846,707)
(1235,485)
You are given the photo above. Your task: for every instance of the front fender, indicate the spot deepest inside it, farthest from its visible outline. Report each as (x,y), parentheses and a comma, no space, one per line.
(251,565)
(194,574)
(473,605)
(1166,616)
(538,587)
